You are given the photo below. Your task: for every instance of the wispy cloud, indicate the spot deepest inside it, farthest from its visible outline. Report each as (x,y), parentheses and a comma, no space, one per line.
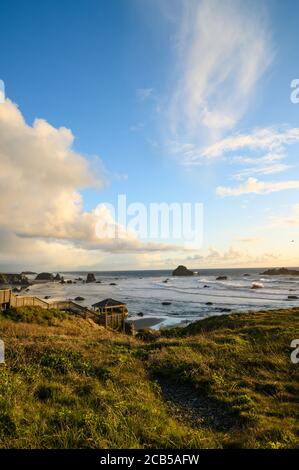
(144,93)
(263,170)
(232,257)
(224,50)
(254,186)
(271,139)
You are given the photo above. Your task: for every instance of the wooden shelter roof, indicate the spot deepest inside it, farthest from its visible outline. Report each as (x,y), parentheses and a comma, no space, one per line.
(109,303)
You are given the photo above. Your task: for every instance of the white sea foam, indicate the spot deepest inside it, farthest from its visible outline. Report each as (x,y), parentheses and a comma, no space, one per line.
(188,296)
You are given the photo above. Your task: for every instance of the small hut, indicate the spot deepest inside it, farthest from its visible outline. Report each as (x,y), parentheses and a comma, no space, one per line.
(112,313)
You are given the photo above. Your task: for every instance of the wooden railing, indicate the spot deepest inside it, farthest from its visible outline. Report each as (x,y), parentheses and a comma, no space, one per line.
(112,320)
(24,301)
(5,296)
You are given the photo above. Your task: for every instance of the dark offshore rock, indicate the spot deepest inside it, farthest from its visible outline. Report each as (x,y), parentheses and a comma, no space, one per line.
(78,299)
(221,278)
(90,277)
(182,271)
(293,297)
(57,277)
(44,277)
(13,279)
(166,303)
(280,272)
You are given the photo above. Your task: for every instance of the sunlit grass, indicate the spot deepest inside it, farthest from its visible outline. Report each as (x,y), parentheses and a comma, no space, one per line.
(68,382)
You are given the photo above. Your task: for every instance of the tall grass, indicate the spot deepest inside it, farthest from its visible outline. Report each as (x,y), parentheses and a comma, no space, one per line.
(69,383)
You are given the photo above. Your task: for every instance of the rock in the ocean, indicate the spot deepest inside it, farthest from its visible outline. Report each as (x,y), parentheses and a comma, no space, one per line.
(78,299)
(113,284)
(293,297)
(280,272)
(57,277)
(209,303)
(221,278)
(44,277)
(90,277)
(16,290)
(182,271)
(166,303)
(140,314)
(13,279)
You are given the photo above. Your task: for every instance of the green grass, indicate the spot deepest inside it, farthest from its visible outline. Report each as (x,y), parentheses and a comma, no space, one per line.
(31,314)
(69,383)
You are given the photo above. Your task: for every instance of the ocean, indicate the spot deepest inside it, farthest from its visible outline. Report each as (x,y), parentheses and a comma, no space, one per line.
(188,298)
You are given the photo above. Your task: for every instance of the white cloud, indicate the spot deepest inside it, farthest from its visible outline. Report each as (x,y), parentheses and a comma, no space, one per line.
(271,139)
(263,170)
(41,205)
(224,50)
(260,148)
(232,257)
(254,186)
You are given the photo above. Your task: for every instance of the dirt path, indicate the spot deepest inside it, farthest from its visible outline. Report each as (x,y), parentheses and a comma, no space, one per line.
(197,410)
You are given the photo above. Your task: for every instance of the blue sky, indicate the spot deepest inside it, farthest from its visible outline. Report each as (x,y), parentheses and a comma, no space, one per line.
(175,101)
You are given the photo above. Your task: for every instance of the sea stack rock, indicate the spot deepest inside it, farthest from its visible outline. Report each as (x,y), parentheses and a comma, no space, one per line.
(90,277)
(57,277)
(280,272)
(182,271)
(44,277)
(13,279)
